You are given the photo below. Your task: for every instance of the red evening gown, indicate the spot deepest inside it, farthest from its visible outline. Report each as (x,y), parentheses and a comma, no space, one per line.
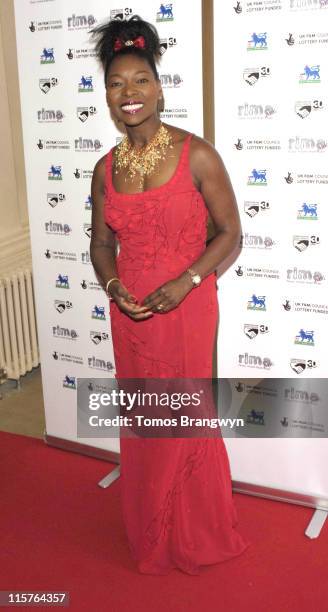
(176,493)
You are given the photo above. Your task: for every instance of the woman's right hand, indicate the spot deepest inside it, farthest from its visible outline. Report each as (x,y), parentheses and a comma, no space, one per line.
(127,302)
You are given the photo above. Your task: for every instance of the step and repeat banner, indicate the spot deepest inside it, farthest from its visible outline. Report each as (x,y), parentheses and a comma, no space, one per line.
(67,128)
(271,113)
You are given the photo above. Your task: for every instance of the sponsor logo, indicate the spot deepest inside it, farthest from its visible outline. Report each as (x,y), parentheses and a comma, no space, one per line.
(62,306)
(252,330)
(308,277)
(87,145)
(308,212)
(49,116)
(64,333)
(62,281)
(257,42)
(69,382)
(169,81)
(54,198)
(253,241)
(301,306)
(98,337)
(120,14)
(256,111)
(55,173)
(254,361)
(47,84)
(310,74)
(165,13)
(298,144)
(257,177)
(301,243)
(305,337)
(303,109)
(54,227)
(80,22)
(95,363)
(253,75)
(299,365)
(44,26)
(254,208)
(85,112)
(98,312)
(257,302)
(47,56)
(85,84)
(257,272)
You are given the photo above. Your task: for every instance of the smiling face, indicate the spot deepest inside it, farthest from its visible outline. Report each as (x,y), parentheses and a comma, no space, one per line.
(132,90)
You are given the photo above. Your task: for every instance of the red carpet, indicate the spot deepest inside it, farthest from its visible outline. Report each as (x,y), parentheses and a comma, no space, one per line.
(60,531)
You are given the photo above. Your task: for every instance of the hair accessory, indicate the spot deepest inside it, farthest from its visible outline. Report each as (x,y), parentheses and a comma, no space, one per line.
(138,42)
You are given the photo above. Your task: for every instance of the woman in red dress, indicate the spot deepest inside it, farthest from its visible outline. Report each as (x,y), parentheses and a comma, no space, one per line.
(152,195)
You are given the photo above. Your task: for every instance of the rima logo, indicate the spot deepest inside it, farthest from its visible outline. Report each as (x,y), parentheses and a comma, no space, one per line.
(54,227)
(165,13)
(50,116)
(80,22)
(86,84)
(47,56)
(64,332)
(257,42)
(87,145)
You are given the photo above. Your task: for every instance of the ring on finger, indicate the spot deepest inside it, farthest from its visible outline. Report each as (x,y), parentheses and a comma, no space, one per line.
(160,306)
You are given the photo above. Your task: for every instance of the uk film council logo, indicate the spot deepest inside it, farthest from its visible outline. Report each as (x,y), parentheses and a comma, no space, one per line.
(310,74)
(165,13)
(308,212)
(257,302)
(62,281)
(47,56)
(258,42)
(98,313)
(47,84)
(55,173)
(85,112)
(85,84)
(303,109)
(305,337)
(253,75)
(257,178)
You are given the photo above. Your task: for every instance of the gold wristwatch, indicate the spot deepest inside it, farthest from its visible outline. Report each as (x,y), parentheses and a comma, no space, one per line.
(196,278)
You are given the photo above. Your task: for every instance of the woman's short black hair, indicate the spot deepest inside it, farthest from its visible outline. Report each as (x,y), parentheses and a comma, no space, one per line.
(116,32)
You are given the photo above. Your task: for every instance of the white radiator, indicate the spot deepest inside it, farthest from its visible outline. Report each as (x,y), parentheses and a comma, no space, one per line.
(18,335)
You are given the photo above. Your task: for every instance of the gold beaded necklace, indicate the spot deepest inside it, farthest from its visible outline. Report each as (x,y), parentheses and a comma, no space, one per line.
(142,160)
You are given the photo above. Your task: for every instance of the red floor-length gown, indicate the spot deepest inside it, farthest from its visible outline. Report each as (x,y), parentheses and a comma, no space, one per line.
(176,493)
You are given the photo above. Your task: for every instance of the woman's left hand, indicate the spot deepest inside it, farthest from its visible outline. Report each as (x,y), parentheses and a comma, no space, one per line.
(167,296)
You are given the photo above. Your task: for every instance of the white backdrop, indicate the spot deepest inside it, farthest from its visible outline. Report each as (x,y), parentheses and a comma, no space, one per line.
(67,128)
(271,111)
